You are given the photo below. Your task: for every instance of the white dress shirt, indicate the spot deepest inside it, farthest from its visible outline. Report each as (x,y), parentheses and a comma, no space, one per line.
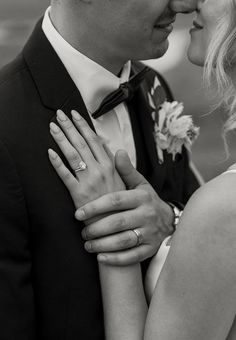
(94,83)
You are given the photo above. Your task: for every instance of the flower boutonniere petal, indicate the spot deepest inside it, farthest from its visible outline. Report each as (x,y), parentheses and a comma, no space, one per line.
(172,129)
(157,95)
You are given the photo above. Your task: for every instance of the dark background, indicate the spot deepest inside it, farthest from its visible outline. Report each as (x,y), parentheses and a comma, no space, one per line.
(17,18)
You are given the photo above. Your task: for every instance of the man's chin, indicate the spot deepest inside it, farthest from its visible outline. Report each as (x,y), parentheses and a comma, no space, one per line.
(154,51)
(160,49)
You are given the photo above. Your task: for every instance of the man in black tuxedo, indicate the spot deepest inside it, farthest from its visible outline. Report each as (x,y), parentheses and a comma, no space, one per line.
(49,285)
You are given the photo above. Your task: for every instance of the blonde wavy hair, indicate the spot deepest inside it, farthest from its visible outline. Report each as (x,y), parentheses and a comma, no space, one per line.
(220,63)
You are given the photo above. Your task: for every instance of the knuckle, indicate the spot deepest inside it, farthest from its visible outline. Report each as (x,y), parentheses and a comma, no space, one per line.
(66,176)
(97,246)
(58,163)
(81,123)
(102,177)
(59,136)
(92,137)
(88,209)
(115,200)
(126,241)
(152,213)
(142,196)
(99,138)
(73,158)
(130,236)
(68,125)
(120,223)
(97,175)
(81,145)
(90,191)
(147,196)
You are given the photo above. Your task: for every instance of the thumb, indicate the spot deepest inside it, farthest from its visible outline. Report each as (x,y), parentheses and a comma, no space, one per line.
(130,176)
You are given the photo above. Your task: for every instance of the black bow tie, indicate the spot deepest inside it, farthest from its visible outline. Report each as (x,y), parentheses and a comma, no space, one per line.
(125,92)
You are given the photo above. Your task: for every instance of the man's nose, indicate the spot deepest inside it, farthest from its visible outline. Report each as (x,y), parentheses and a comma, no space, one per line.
(183,6)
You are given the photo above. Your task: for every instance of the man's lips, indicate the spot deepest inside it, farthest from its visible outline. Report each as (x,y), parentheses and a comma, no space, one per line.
(165,24)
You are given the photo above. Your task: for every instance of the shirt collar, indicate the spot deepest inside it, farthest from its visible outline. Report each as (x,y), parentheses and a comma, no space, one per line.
(92,80)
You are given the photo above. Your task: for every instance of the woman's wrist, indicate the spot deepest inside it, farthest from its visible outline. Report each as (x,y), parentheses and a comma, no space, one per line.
(124,301)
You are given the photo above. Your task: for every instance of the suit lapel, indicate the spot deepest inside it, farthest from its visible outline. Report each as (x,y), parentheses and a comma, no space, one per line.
(55,86)
(58,91)
(144,112)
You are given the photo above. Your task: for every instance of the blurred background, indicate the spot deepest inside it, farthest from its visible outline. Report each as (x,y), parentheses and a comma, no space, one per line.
(17,18)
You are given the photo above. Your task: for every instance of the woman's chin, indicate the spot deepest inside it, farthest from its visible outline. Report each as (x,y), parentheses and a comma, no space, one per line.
(196,58)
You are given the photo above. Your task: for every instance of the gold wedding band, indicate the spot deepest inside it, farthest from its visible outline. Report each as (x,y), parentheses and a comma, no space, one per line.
(139,237)
(81,167)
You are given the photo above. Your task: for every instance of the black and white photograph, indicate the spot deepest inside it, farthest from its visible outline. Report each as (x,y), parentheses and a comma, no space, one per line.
(117,169)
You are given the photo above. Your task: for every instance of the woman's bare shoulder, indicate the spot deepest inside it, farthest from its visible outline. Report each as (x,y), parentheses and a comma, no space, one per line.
(218,196)
(196,289)
(210,216)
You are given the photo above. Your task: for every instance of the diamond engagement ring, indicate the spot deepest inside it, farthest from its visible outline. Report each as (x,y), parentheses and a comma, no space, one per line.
(139,237)
(82,166)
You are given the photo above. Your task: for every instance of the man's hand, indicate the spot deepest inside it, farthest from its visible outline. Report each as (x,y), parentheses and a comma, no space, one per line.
(140,208)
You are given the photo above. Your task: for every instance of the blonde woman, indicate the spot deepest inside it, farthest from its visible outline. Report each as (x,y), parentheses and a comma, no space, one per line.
(195,295)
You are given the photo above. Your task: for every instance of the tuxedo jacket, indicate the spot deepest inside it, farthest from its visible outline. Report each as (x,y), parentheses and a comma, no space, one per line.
(49,285)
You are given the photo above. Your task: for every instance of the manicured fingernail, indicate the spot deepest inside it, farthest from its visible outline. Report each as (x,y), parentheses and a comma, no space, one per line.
(52,154)
(76,115)
(88,246)
(101,258)
(61,116)
(54,128)
(80,214)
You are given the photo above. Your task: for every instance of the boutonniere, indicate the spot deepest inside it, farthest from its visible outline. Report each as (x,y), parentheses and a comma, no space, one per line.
(172,129)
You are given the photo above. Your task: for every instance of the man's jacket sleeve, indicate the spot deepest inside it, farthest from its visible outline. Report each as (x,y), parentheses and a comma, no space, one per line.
(16,293)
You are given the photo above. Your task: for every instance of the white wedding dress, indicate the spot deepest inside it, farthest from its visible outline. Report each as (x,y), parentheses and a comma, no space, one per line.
(155,267)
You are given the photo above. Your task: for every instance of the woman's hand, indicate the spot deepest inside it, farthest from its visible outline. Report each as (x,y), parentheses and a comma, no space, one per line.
(139,209)
(80,144)
(110,219)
